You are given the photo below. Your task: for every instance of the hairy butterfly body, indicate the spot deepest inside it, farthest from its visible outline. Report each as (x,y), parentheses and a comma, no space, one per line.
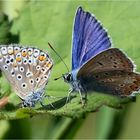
(27,69)
(95,65)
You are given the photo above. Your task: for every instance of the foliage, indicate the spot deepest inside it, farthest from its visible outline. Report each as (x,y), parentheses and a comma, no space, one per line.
(41,22)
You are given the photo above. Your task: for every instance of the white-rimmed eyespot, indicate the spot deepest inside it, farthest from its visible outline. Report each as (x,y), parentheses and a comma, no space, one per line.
(4,50)
(25,71)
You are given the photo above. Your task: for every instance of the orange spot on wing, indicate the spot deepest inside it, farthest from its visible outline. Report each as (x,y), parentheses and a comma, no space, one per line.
(49,64)
(18,59)
(24,54)
(41,58)
(134,87)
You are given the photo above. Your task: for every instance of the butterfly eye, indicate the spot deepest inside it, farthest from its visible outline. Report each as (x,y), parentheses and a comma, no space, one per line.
(4,50)
(69,77)
(23,85)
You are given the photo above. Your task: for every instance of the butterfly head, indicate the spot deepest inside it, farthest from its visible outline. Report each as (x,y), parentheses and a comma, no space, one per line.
(67,77)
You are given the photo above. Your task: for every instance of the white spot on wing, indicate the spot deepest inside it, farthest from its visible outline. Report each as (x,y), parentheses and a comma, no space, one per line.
(30,51)
(36,52)
(21,69)
(12,73)
(4,50)
(19,76)
(29,74)
(38,79)
(38,67)
(24,85)
(5,67)
(10,50)
(31,81)
(25,61)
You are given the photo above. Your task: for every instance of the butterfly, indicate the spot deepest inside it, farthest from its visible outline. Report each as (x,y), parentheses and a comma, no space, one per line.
(95,65)
(27,69)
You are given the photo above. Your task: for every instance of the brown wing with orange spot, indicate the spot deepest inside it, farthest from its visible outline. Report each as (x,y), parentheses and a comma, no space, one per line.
(109,72)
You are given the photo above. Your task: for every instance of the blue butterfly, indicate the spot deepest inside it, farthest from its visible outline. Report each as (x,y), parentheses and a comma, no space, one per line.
(95,65)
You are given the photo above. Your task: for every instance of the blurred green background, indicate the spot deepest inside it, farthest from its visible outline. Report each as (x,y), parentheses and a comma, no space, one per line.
(28,19)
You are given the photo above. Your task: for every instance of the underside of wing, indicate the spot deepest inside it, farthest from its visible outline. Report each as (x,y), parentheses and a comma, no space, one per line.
(26,68)
(109,60)
(89,38)
(120,83)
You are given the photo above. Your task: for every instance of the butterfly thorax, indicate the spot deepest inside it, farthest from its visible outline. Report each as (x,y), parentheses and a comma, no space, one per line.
(71,79)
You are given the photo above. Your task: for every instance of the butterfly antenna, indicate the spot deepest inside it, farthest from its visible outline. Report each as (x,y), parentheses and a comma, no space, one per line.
(59,57)
(58,78)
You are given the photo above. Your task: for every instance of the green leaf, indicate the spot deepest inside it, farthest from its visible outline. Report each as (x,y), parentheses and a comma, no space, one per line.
(5,26)
(46,21)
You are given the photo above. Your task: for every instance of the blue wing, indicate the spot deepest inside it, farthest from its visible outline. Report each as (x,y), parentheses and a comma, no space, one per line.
(89,38)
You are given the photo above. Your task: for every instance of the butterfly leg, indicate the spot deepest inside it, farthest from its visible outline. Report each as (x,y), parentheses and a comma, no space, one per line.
(68,96)
(83,94)
(42,104)
(47,97)
(83,98)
